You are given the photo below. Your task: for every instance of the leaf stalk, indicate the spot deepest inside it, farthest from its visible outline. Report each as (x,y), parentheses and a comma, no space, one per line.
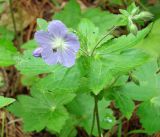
(97,114)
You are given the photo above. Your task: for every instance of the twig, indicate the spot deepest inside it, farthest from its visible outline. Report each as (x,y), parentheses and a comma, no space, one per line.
(14,121)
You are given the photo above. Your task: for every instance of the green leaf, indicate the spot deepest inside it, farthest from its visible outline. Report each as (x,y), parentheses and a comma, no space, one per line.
(124,42)
(42,24)
(42,110)
(4,101)
(61,79)
(28,64)
(113,59)
(70,129)
(105,68)
(102,19)
(6,35)
(89,35)
(149,113)
(149,83)
(123,102)
(127,61)
(29,80)
(151,42)
(83,110)
(70,15)
(8,53)
(149,92)
(99,75)
(30,45)
(124,12)
(131,8)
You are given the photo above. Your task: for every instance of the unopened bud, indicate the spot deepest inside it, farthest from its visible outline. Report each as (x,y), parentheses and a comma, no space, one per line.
(135,80)
(132,28)
(124,12)
(144,15)
(135,11)
(37,52)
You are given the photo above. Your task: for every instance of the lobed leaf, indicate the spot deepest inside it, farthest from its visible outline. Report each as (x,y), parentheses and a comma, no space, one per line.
(70,15)
(42,110)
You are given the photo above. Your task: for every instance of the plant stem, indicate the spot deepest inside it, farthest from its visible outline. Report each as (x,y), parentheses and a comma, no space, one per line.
(13,19)
(109,32)
(3,124)
(138,131)
(97,115)
(120,129)
(93,121)
(84,52)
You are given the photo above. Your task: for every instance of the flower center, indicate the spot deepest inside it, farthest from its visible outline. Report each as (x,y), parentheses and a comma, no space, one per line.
(58,43)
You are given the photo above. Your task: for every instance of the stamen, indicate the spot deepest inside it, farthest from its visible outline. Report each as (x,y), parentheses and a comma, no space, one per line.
(58,43)
(54,50)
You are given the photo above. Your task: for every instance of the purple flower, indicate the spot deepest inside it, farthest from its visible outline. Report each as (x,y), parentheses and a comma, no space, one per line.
(57,45)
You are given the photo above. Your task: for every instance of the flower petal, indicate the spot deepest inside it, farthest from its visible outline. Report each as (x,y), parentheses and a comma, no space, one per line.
(66,58)
(37,52)
(43,38)
(72,42)
(49,56)
(57,29)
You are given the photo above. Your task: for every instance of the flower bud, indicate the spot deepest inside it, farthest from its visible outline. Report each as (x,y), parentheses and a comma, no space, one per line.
(135,80)
(124,12)
(132,28)
(135,11)
(37,52)
(144,15)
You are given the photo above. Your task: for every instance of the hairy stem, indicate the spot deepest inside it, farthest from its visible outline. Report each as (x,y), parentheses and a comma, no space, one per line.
(84,52)
(102,39)
(13,19)
(97,115)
